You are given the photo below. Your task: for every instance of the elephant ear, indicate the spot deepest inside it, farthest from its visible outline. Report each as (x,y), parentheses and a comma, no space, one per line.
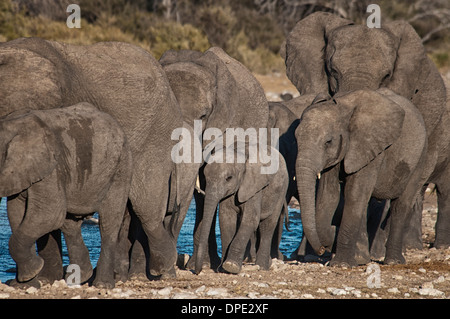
(415,76)
(226,95)
(410,56)
(29,156)
(375,124)
(305,51)
(252,182)
(256,175)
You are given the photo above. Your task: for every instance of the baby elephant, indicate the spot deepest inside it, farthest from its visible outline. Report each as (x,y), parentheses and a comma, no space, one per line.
(371,144)
(248,199)
(71,160)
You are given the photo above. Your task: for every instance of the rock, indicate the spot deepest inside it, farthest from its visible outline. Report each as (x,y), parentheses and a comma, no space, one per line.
(217,292)
(4,295)
(321,291)
(31,290)
(431,292)
(393,290)
(165,291)
(200,289)
(3,286)
(440,280)
(260,284)
(307,296)
(58,284)
(253,295)
(337,291)
(184,295)
(250,267)
(428,285)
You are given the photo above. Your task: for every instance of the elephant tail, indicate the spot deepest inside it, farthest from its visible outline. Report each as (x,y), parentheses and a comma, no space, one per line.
(286,216)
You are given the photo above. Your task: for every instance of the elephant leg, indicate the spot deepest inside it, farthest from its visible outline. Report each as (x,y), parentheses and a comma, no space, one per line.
(357,193)
(45,212)
(78,252)
(442,227)
(139,255)
(378,228)
(413,234)
(266,230)
(228,222)
(111,214)
(149,202)
(16,208)
(251,212)
(122,263)
(401,214)
(278,233)
(49,248)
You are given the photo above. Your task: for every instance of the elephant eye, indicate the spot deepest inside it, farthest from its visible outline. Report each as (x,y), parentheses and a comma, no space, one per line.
(228,178)
(328,142)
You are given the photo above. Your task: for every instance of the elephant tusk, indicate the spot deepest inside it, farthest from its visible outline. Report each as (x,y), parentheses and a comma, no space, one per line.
(294,178)
(197,186)
(319,175)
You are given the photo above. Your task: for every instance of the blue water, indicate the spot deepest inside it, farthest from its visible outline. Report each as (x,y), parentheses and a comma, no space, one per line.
(91,236)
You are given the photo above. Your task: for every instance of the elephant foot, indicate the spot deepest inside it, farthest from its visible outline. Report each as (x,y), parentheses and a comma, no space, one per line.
(138,276)
(103,284)
(24,285)
(231,267)
(171,274)
(394,260)
(121,275)
(161,263)
(29,269)
(442,243)
(343,262)
(264,263)
(362,259)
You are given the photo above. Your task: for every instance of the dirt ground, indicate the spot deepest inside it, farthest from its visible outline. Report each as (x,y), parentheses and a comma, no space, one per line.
(426,274)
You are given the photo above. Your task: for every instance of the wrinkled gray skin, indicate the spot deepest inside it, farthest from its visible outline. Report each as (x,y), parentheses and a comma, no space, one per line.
(328,55)
(222,93)
(376,143)
(285,115)
(248,199)
(122,80)
(73,160)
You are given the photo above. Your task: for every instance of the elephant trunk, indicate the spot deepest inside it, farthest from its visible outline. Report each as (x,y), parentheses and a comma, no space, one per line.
(306,185)
(209,210)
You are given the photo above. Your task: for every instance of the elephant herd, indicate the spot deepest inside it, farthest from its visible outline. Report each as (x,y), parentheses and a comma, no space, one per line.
(89,129)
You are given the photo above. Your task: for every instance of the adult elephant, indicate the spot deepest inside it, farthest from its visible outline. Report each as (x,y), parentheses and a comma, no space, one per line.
(328,55)
(122,80)
(222,93)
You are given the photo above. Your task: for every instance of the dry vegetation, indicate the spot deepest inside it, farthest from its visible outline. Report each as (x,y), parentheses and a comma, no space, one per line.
(251,31)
